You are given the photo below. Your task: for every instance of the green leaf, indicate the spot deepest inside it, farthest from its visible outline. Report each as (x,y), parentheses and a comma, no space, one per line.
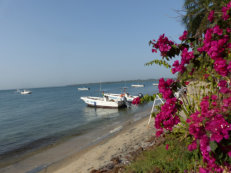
(159,62)
(213,145)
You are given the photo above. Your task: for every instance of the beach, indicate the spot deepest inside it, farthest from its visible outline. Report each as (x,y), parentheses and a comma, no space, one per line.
(130,139)
(66,158)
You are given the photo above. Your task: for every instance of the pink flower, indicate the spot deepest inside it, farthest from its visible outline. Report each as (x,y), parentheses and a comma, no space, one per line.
(192,146)
(186,83)
(136,101)
(222,83)
(223,87)
(228,30)
(211,16)
(217,30)
(225,15)
(221,67)
(206,76)
(159,132)
(203,170)
(154,50)
(163,44)
(165,88)
(186,56)
(214,97)
(166,147)
(184,36)
(178,67)
(229,153)
(229,5)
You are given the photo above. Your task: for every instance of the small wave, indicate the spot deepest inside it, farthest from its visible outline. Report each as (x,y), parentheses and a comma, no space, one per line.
(116,129)
(137,118)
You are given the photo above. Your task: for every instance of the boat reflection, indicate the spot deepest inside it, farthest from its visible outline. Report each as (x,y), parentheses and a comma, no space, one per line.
(92,113)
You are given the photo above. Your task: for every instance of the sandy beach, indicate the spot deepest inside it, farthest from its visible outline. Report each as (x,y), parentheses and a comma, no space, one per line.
(129,139)
(67,159)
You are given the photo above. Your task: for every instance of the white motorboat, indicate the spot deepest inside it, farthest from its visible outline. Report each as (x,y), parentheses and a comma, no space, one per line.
(137,85)
(83,89)
(128,97)
(25,92)
(104,102)
(155,84)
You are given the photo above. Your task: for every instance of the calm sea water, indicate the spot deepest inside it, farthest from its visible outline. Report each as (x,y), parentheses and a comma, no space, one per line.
(49,115)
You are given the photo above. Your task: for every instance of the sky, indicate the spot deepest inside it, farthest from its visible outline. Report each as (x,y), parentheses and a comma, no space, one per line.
(60,42)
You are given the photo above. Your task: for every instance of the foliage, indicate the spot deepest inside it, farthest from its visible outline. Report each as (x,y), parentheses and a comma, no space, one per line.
(159,62)
(196,14)
(171,156)
(203,116)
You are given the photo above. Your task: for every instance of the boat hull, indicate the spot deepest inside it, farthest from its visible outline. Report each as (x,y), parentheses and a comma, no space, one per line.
(102,102)
(83,89)
(25,92)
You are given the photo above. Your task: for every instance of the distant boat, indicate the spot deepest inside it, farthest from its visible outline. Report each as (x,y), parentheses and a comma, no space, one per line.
(155,84)
(24,92)
(83,89)
(137,85)
(103,102)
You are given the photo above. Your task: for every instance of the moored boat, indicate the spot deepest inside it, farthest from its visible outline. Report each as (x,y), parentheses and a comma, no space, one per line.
(137,85)
(104,102)
(25,92)
(83,89)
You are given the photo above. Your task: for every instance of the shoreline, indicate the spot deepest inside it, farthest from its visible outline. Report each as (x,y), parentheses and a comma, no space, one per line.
(67,152)
(130,139)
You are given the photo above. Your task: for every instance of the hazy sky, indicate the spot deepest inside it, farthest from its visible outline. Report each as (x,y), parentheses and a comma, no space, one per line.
(59,42)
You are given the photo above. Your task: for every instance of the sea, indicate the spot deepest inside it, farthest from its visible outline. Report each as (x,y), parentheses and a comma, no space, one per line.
(50,116)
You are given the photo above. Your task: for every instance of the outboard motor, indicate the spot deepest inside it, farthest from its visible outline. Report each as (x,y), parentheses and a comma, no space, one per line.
(140,95)
(124,99)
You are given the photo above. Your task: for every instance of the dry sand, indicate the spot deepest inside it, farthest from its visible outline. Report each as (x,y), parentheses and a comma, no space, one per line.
(129,139)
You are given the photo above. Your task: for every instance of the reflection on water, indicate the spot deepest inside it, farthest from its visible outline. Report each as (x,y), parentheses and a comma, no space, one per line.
(91,113)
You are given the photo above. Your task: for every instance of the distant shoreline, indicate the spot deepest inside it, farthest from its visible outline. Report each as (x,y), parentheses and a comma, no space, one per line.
(111,82)
(80,84)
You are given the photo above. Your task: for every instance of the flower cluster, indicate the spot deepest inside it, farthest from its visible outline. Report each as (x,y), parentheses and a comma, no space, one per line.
(186,56)
(225,11)
(209,125)
(184,36)
(165,88)
(211,16)
(223,85)
(167,118)
(215,44)
(163,44)
(208,121)
(136,101)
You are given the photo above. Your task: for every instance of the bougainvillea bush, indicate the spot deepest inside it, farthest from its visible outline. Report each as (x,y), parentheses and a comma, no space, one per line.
(207,111)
